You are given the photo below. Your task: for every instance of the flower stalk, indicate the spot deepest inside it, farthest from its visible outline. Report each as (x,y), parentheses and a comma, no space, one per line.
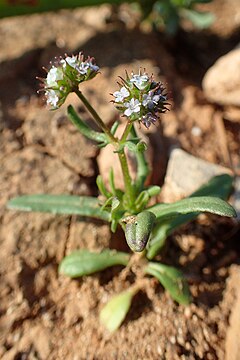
(96,117)
(129,187)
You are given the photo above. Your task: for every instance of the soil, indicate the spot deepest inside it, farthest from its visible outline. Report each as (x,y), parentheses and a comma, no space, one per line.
(47,316)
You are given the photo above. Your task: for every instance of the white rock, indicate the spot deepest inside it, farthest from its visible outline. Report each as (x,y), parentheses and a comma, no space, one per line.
(221,82)
(186,173)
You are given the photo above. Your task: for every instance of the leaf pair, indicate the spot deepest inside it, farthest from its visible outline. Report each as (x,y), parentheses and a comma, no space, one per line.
(115,311)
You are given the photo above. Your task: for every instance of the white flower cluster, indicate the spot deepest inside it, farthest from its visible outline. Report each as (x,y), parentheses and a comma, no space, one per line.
(140,98)
(81,66)
(52,92)
(65,76)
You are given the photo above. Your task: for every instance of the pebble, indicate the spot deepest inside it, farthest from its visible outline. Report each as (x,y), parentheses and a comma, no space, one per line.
(196,131)
(187,312)
(177,185)
(221,81)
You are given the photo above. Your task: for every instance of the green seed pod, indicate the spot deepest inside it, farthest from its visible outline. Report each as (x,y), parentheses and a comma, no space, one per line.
(138,230)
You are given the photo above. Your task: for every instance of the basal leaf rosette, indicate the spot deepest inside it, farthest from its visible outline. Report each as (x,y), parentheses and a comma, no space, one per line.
(140,98)
(65,75)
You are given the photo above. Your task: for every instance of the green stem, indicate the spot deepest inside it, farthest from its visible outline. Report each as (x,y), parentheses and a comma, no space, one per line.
(130,192)
(96,117)
(142,166)
(126,132)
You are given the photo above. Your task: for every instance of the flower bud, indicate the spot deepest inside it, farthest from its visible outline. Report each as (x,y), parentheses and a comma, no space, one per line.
(138,230)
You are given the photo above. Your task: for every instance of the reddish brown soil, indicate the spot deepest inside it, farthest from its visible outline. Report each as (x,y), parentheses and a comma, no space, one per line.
(46,316)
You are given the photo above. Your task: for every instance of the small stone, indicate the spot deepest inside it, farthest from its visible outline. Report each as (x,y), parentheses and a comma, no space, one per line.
(186,173)
(172,340)
(221,81)
(196,131)
(187,312)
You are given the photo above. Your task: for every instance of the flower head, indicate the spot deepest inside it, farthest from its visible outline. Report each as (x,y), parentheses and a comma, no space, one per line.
(65,75)
(141,98)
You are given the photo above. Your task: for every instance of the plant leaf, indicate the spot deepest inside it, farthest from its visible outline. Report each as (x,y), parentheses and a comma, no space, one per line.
(158,237)
(59,204)
(172,280)
(102,188)
(84,128)
(114,127)
(115,311)
(209,204)
(220,185)
(83,262)
(201,20)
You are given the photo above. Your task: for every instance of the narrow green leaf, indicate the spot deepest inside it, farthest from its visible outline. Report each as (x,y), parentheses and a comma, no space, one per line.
(172,280)
(114,225)
(209,204)
(117,212)
(114,127)
(84,262)
(102,188)
(145,196)
(153,190)
(84,128)
(201,20)
(219,186)
(59,204)
(115,311)
(112,182)
(158,237)
(142,200)
(131,145)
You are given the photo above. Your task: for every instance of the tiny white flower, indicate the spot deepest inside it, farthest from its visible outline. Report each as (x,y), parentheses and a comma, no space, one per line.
(133,106)
(80,66)
(55,74)
(140,81)
(72,61)
(93,66)
(52,97)
(121,95)
(83,68)
(150,100)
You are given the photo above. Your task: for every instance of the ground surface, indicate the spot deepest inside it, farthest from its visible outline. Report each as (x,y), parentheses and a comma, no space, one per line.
(46,316)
